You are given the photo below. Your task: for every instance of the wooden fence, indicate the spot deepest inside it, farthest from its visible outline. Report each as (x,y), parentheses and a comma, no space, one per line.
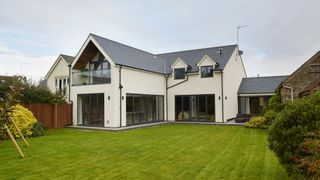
(52,115)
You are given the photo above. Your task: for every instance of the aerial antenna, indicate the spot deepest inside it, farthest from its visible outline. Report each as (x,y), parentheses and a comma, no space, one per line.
(238,28)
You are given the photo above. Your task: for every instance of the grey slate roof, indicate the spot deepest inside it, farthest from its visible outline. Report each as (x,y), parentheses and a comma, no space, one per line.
(132,57)
(43,84)
(260,85)
(192,57)
(128,56)
(68,58)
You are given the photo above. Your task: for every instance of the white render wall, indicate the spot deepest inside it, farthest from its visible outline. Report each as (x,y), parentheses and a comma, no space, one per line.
(138,82)
(61,70)
(143,82)
(110,108)
(195,86)
(232,77)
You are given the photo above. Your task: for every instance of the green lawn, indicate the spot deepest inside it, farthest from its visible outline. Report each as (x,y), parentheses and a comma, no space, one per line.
(162,152)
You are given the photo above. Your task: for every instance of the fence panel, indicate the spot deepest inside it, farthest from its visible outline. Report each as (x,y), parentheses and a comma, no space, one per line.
(51,115)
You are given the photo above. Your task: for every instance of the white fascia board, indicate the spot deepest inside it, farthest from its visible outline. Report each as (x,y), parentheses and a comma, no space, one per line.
(54,66)
(204,58)
(85,44)
(176,61)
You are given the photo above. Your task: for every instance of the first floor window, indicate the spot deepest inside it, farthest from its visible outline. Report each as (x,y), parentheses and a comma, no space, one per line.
(61,84)
(179,73)
(206,71)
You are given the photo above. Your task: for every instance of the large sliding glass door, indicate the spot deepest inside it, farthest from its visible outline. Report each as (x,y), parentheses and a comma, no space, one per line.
(144,108)
(195,108)
(91,110)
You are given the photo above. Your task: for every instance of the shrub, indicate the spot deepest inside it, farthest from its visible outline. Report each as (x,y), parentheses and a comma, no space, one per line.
(308,159)
(275,103)
(38,129)
(257,122)
(24,119)
(3,135)
(270,116)
(32,93)
(287,132)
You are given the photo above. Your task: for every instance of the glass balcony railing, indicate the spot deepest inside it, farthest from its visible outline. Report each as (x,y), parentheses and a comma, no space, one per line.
(91,77)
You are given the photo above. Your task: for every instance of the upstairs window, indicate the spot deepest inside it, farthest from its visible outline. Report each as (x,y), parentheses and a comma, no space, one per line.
(179,73)
(99,62)
(206,71)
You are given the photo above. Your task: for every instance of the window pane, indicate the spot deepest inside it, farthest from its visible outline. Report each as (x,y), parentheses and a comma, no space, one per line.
(194,107)
(206,71)
(143,109)
(161,111)
(155,108)
(150,108)
(186,107)
(136,109)
(178,108)
(202,108)
(179,73)
(211,108)
(129,109)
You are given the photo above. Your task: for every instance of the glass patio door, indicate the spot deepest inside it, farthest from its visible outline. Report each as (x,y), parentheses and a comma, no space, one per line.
(195,108)
(91,110)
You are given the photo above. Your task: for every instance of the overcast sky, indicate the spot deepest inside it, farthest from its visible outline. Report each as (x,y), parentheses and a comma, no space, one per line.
(281,34)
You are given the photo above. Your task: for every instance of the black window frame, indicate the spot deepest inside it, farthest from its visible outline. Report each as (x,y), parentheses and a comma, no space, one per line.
(207,73)
(183,113)
(177,70)
(158,106)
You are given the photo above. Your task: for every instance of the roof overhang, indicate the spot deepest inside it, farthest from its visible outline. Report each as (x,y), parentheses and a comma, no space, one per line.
(87,52)
(60,57)
(176,62)
(255,94)
(206,57)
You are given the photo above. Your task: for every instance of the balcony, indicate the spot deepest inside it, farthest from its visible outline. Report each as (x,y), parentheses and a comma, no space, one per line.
(91,77)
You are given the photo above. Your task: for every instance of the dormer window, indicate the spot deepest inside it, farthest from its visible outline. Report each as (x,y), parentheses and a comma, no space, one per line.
(179,73)
(206,71)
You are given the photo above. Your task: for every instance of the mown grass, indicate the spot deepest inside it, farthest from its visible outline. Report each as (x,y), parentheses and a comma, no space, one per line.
(162,152)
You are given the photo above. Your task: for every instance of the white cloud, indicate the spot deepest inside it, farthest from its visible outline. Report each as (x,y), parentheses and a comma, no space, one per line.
(17,63)
(281,34)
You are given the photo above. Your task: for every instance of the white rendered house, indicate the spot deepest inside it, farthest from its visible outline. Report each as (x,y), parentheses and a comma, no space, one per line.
(57,78)
(115,85)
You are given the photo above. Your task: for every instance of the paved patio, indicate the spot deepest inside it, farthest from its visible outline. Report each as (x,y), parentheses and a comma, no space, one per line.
(230,123)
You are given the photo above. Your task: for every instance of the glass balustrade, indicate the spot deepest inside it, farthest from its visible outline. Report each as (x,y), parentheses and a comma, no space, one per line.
(91,77)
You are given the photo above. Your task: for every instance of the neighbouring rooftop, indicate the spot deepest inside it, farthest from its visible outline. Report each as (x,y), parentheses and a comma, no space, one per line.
(260,85)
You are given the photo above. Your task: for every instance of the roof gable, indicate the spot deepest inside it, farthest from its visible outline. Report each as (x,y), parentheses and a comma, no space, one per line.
(178,63)
(124,55)
(315,57)
(192,57)
(206,61)
(128,56)
(62,57)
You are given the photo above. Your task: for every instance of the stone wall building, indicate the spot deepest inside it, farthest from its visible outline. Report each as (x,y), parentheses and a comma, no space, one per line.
(302,82)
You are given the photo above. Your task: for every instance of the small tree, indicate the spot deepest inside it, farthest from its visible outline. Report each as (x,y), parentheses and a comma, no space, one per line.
(6,107)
